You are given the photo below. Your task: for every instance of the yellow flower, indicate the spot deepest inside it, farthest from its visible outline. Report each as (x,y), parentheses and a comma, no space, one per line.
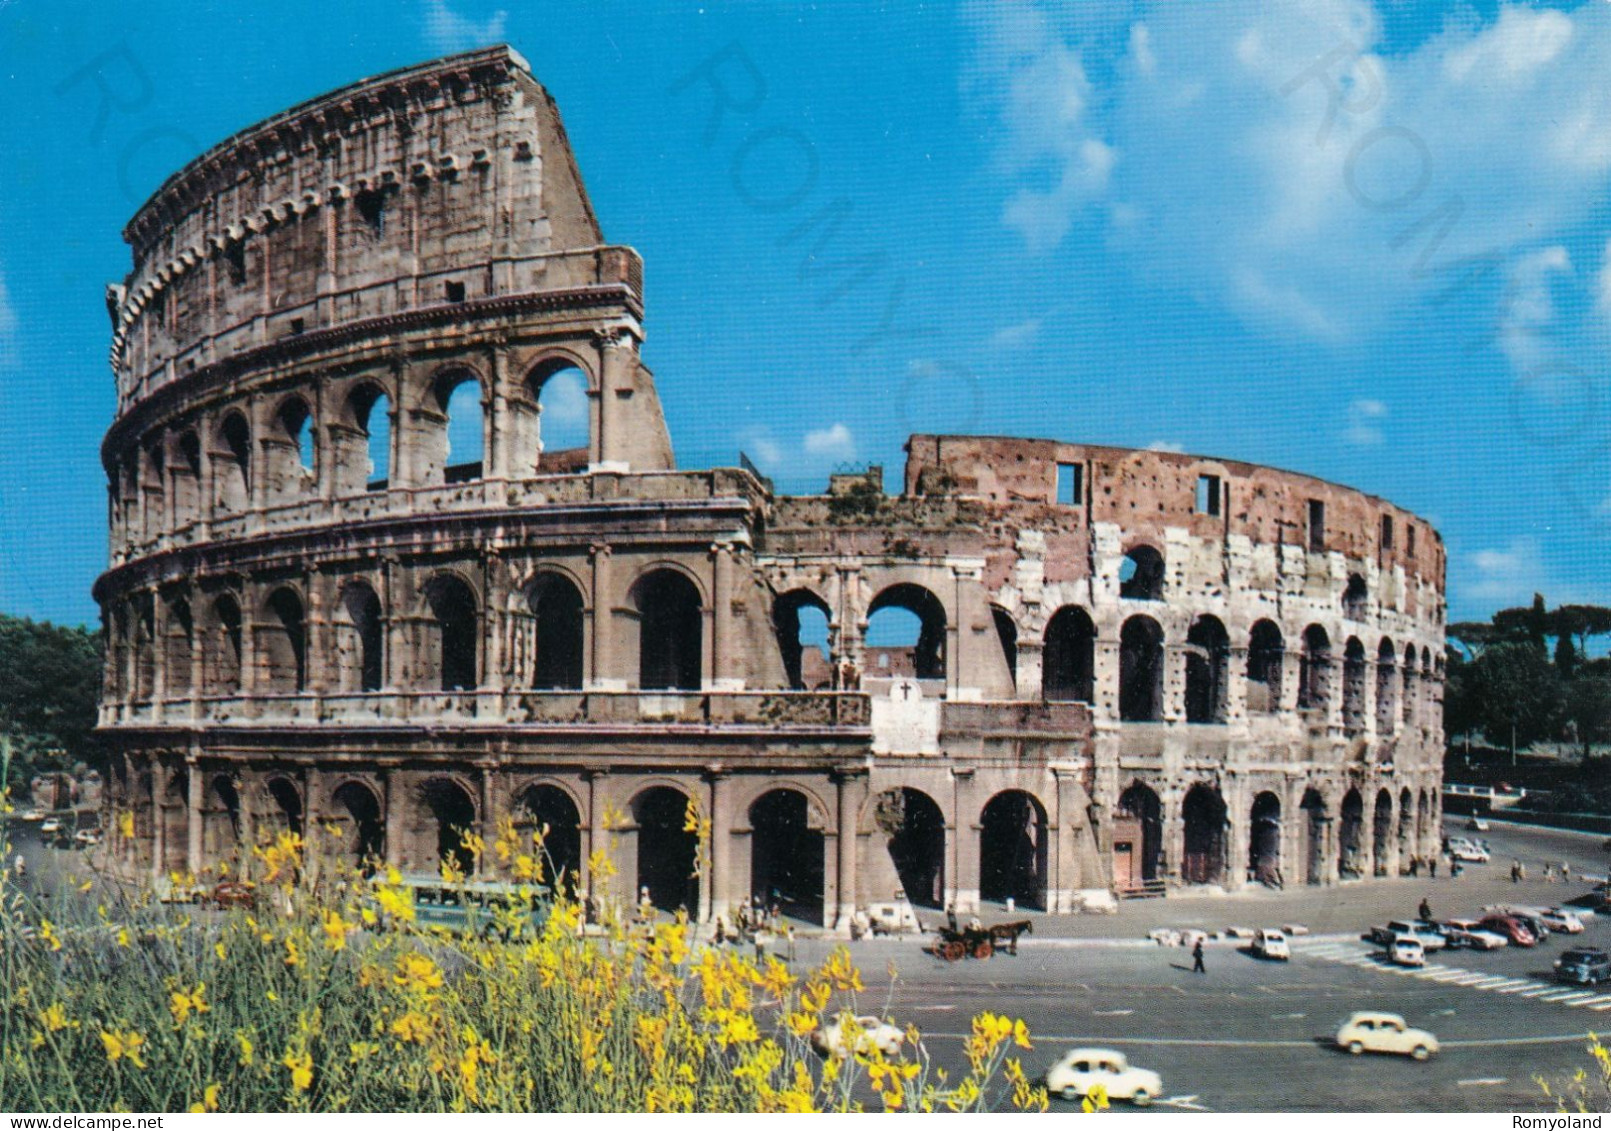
(123,936)
(125,824)
(123,1046)
(411,1028)
(246,1047)
(301,1066)
(417,974)
(181,1004)
(55,1019)
(208,1102)
(218,949)
(293,954)
(335,930)
(47,932)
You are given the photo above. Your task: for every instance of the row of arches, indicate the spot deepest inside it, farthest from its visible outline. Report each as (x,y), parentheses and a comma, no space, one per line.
(288,455)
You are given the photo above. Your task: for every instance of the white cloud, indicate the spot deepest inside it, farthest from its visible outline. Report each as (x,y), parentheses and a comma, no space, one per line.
(1018,334)
(1527,307)
(1166,446)
(448,32)
(761,446)
(1505,577)
(1365,419)
(1278,158)
(833,442)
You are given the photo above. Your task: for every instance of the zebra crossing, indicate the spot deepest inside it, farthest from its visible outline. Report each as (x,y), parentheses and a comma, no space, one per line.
(1360,955)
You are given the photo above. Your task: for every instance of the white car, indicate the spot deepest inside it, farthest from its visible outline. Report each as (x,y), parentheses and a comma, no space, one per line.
(88,838)
(1468,853)
(1477,825)
(1558,920)
(51,825)
(1083,1069)
(1406,950)
(1271,944)
(1469,934)
(1384,1032)
(863,1035)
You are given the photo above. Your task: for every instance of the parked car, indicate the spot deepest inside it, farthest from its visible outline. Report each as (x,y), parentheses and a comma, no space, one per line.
(1083,1069)
(1384,1032)
(1477,825)
(1468,852)
(1271,944)
(1469,934)
(87,838)
(1558,919)
(863,1035)
(1583,966)
(1424,930)
(1406,950)
(1509,926)
(51,827)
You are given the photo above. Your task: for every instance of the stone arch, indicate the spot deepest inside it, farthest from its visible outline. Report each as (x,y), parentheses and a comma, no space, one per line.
(1137,837)
(356,804)
(1013,839)
(787,854)
(294,419)
(668,853)
(1007,637)
(1386,689)
(284,812)
(1350,835)
(1068,666)
(1407,849)
(364,458)
(1355,598)
(222,647)
(804,671)
(928,652)
(670,611)
(232,464)
(360,639)
(452,632)
(549,821)
(143,626)
(1205,818)
(558,631)
(187,501)
(1314,670)
(1141,670)
(450,805)
(1408,704)
(560,388)
(1381,831)
(222,825)
(1265,652)
(1316,818)
(1208,661)
(1141,574)
(1353,687)
(1264,840)
(458,448)
(179,647)
(914,827)
(282,642)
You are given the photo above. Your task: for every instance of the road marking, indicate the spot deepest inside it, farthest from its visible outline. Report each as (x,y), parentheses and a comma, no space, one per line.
(1443,1013)
(1537,992)
(1286,1016)
(1574,998)
(1490,983)
(932,1008)
(1186,1103)
(1598,999)
(1553,995)
(1514,986)
(1482,1081)
(1112,1012)
(1601,1008)
(1443,975)
(1467,979)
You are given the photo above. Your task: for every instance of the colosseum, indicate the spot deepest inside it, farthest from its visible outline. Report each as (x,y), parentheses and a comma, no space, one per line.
(355,591)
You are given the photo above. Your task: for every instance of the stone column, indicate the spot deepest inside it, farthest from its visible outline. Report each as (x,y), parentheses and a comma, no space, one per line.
(193,814)
(316,634)
(1068,819)
(159,819)
(498,434)
(962,831)
(489,821)
(721,599)
(392,799)
(312,815)
(614,352)
(849,783)
(716,894)
(159,652)
(1236,685)
(601,621)
(1171,814)
(595,838)
(1238,837)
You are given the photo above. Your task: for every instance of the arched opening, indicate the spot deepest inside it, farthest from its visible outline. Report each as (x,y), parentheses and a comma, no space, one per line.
(286,815)
(1208,657)
(1314,670)
(1353,704)
(915,829)
(221,648)
(232,469)
(296,430)
(1141,670)
(154,487)
(357,807)
(1314,837)
(1406,830)
(1265,650)
(1423,708)
(360,639)
(370,466)
(1381,832)
(179,647)
(464,430)
(1013,850)
(1350,836)
(907,620)
(800,619)
(1068,661)
(1264,841)
(556,609)
(1408,697)
(1007,636)
(1205,818)
(548,812)
(1386,690)
(667,850)
(145,648)
(1141,575)
(187,501)
(787,855)
(453,813)
(451,632)
(1354,598)
(559,391)
(1423,819)
(284,644)
(1137,838)
(221,821)
(670,631)
(172,817)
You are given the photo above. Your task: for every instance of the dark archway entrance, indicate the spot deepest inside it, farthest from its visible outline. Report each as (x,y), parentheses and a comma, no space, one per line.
(1012,850)
(1137,838)
(549,823)
(1314,833)
(916,831)
(1264,841)
(1204,816)
(450,807)
(786,855)
(1350,835)
(1208,654)
(1069,658)
(556,606)
(670,632)
(1381,832)
(667,850)
(368,838)
(1141,670)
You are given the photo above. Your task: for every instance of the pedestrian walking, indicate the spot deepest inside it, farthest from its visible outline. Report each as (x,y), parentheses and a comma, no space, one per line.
(1415,865)
(1566,872)
(1197,966)
(1515,871)
(951,917)
(1425,910)
(1431,866)
(788,939)
(721,930)
(1549,872)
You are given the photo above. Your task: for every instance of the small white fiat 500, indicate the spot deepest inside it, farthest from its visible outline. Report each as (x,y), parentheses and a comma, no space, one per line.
(1083,1069)
(1384,1032)
(842,1035)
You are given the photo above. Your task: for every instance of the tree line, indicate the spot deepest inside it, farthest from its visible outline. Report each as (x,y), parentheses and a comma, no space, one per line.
(50,682)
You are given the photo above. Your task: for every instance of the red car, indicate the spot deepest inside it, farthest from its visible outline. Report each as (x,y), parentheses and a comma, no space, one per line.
(1511,927)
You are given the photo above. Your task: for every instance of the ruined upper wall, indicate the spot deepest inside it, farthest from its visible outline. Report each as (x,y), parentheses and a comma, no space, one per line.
(1147,492)
(446,182)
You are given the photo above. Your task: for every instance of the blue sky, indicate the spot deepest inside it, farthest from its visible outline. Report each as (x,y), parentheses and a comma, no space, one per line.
(1366,241)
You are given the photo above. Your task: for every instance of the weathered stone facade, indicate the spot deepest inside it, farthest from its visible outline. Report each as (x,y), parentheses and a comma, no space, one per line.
(1134,668)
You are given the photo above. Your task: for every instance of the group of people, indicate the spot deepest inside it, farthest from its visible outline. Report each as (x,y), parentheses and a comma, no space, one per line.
(1430,864)
(758,924)
(1518,872)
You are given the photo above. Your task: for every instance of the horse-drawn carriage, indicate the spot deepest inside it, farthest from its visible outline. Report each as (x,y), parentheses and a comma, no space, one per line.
(980,941)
